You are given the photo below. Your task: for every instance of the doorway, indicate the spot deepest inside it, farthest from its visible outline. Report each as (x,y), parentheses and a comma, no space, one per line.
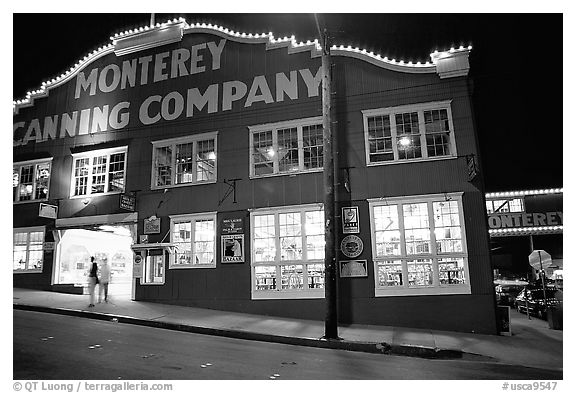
(106,243)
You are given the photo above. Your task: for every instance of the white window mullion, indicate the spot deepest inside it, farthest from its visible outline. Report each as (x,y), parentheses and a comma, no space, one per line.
(276,163)
(433,249)
(403,252)
(277,237)
(300,136)
(107,173)
(251,154)
(27,250)
(194,162)
(173,174)
(422,131)
(394,135)
(89,180)
(303,234)
(19,183)
(192,246)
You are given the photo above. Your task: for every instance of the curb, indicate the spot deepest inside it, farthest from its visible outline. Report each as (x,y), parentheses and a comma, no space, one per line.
(355,346)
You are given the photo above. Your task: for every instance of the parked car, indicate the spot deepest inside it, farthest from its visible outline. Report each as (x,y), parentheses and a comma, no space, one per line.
(532,300)
(506,294)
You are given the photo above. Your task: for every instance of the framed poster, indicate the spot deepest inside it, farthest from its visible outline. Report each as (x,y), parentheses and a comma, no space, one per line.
(232,248)
(350,222)
(354,268)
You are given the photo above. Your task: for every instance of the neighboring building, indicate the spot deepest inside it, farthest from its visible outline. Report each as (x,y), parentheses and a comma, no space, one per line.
(200,149)
(520,222)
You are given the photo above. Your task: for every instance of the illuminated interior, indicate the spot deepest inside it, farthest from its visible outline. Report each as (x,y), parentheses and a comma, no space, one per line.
(105,242)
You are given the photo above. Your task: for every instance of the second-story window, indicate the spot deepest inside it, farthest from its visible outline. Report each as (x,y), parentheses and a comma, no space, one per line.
(183,161)
(99,172)
(30,180)
(409,133)
(286,147)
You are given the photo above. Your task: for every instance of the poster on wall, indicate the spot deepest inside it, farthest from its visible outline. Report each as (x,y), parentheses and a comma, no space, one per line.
(232,248)
(350,222)
(353,268)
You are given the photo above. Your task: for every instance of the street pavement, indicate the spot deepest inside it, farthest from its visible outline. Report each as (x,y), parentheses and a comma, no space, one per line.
(532,343)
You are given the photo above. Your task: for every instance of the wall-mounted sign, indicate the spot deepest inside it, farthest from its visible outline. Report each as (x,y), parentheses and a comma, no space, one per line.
(350,221)
(165,70)
(127,202)
(232,226)
(351,246)
(518,220)
(137,266)
(353,268)
(152,225)
(48,211)
(232,248)
(48,246)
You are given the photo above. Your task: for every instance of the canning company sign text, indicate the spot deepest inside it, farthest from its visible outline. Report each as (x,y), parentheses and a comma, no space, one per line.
(153,69)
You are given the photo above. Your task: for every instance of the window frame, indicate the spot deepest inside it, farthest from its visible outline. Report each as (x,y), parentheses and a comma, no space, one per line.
(36,162)
(173,142)
(279,293)
(28,230)
(91,155)
(518,205)
(274,127)
(179,218)
(433,255)
(420,109)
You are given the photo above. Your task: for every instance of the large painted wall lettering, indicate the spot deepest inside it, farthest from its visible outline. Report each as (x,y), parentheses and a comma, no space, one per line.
(140,71)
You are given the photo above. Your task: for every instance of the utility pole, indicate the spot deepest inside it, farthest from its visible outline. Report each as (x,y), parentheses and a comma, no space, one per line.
(331,319)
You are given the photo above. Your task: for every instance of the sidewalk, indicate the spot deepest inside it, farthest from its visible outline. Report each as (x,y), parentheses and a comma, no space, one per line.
(532,343)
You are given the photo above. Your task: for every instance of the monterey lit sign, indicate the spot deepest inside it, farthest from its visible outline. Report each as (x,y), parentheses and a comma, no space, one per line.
(154,69)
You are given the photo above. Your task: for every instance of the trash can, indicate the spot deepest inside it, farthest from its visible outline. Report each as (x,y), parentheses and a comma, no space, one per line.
(554,316)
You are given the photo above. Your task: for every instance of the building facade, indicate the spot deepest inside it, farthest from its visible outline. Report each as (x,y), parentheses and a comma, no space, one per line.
(190,157)
(520,222)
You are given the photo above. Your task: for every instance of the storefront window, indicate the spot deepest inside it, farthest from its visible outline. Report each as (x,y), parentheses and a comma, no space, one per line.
(286,147)
(278,252)
(194,236)
(99,172)
(418,245)
(187,160)
(28,254)
(410,132)
(30,181)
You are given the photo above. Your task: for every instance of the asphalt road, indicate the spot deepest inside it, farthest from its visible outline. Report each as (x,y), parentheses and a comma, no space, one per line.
(48,347)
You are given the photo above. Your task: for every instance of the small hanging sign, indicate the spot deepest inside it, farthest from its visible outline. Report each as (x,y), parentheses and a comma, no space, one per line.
(152,225)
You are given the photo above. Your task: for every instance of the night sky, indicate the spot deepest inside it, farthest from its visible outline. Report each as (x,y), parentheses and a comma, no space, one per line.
(515,63)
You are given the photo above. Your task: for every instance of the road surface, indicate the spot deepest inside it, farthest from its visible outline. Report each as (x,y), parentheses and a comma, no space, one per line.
(49,346)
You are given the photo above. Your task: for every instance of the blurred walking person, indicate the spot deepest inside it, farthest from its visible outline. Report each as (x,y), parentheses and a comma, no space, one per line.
(104,280)
(92,281)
